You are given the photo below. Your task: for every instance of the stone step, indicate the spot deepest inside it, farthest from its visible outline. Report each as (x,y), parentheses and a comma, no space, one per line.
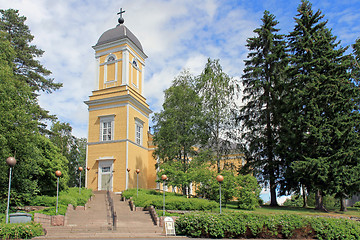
(94,222)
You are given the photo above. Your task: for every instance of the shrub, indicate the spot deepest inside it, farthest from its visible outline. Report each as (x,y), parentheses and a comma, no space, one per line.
(20,230)
(245,225)
(43,201)
(357,204)
(173,201)
(69,196)
(52,210)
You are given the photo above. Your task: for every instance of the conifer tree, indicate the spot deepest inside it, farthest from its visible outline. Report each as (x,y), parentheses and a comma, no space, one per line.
(263,82)
(323,112)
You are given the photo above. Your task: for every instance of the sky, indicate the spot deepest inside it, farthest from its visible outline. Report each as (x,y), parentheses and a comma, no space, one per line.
(175,35)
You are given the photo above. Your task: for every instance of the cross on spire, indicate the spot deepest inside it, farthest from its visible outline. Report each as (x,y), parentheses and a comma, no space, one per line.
(121,20)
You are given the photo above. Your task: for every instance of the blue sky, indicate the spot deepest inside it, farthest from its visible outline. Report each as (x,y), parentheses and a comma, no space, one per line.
(174,34)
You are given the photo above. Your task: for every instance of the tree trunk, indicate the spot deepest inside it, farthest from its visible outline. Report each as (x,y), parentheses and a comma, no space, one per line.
(319,203)
(304,197)
(273,201)
(343,205)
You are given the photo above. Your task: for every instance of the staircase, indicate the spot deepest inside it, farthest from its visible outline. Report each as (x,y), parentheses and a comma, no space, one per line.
(95,222)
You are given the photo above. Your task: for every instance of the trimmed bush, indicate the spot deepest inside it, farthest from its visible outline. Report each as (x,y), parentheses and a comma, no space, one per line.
(52,210)
(69,196)
(245,225)
(173,201)
(20,230)
(357,204)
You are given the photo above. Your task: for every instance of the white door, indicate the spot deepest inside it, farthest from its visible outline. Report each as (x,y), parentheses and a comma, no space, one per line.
(106,175)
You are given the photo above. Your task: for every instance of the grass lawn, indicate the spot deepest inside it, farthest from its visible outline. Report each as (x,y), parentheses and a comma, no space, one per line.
(352,211)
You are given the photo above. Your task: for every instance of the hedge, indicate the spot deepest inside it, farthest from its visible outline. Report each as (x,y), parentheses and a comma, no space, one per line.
(245,225)
(70,196)
(20,230)
(173,201)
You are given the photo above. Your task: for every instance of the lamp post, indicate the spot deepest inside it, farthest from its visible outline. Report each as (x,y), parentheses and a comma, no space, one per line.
(164,178)
(220,179)
(11,161)
(57,174)
(80,169)
(137,182)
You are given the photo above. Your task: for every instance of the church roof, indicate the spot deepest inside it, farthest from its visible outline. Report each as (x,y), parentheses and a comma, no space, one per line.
(118,33)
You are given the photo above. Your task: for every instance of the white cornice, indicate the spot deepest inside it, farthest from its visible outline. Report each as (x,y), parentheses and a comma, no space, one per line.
(114,100)
(117,43)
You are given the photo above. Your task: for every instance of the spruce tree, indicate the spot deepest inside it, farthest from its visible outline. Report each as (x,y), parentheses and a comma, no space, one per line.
(263,82)
(323,112)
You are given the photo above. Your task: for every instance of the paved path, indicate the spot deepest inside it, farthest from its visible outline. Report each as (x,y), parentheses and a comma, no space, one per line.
(95,222)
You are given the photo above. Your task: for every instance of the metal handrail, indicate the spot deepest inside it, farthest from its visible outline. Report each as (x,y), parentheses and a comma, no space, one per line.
(112,210)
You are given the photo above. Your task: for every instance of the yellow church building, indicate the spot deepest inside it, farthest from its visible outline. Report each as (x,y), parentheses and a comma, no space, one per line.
(118,137)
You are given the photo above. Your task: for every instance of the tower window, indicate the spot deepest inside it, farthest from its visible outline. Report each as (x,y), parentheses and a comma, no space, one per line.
(134,63)
(111,58)
(138,131)
(106,128)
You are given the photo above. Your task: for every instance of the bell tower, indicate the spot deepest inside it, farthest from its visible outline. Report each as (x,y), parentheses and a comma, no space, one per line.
(119,115)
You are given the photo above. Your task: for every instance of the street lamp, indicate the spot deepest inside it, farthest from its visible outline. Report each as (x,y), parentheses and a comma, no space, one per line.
(11,161)
(164,178)
(80,169)
(220,179)
(137,182)
(57,174)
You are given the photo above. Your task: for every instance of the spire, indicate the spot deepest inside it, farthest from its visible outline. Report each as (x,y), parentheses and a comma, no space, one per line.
(121,20)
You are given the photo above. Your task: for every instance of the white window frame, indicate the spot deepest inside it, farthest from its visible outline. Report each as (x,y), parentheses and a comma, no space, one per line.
(105,67)
(135,64)
(110,122)
(139,127)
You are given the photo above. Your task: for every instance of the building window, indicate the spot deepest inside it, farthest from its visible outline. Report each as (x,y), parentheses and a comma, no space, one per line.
(107,128)
(110,69)
(138,131)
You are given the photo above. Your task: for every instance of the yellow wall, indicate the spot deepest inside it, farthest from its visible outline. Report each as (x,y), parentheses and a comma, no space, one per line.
(125,111)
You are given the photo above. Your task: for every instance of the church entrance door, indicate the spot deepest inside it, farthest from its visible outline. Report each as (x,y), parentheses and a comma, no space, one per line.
(106,175)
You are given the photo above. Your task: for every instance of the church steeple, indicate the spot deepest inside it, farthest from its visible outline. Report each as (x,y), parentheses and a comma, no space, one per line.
(120,58)
(119,114)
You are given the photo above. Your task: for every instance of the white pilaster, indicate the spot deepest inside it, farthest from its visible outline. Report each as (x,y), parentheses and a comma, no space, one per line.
(125,67)
(142,79)
(97,72)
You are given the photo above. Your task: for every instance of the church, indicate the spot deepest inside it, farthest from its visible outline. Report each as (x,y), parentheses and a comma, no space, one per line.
(119,148)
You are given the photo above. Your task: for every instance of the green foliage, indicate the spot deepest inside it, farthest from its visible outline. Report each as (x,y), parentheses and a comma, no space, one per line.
(72,148)
(248,225)
(357,204)
(69,196)
(20,230)
(321,137)
(177,129)
(296,200)
(248,192)
(21,117)
(51,211)
(264,79)
(217,92)
(173,201)
(26,64)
